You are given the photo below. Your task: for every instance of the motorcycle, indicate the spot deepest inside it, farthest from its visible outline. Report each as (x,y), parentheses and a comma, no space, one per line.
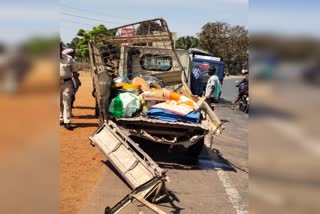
(244,98)
(244,103)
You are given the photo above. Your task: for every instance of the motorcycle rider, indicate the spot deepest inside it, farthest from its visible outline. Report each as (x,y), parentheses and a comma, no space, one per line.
(244,89)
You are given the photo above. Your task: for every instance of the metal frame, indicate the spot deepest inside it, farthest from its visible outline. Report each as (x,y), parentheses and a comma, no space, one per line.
(128,143)
(158,188)
(101,43)
(154,187)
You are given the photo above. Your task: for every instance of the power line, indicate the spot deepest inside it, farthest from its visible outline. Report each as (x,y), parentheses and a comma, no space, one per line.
(83,23)
(88,18)
(81,9)
(70,25)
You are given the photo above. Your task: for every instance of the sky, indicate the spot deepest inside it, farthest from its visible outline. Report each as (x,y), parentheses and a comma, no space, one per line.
(186,17)
(22,19)
(285,17)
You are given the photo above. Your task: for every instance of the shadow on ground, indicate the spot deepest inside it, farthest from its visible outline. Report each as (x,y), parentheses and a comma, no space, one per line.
(84,107)
(84,117)
(179,158)
(82,125)
(262,111)
(223,101)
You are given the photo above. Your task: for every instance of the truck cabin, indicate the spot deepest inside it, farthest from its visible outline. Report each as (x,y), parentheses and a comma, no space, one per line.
(203,65)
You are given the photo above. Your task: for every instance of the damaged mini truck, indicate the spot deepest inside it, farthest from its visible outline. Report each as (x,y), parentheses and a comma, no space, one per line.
(142,90)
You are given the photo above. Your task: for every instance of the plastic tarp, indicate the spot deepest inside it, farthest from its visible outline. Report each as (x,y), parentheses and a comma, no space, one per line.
(193,117)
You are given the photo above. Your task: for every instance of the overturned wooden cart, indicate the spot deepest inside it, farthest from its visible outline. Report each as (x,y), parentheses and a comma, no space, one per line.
(143,175)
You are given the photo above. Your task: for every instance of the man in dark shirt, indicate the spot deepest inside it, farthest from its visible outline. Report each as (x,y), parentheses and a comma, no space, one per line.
(243,89)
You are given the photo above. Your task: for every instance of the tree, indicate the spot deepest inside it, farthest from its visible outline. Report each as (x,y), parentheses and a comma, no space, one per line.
(80,42)
(148,28)
(229,42)
(187,42)
(41,46)
(84,37)
(73,43)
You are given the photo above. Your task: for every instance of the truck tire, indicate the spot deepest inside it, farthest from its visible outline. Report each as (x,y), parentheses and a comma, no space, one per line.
(195,150)
(247,109)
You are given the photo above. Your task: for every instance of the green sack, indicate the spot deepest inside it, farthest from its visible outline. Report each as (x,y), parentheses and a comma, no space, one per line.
(130,104)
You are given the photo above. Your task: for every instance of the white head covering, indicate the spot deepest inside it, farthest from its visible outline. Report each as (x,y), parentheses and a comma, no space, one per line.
(68,51)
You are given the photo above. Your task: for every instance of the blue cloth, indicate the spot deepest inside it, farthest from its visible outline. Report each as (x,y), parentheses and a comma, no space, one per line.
(192,117)
(196,82)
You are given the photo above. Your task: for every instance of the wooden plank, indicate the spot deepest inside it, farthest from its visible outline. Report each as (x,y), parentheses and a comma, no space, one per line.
(151,206)
(138,39)
(122,158)
(201,101)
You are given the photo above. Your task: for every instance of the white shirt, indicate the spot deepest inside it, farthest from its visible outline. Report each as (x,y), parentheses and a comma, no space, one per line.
(67,67)
(211,82)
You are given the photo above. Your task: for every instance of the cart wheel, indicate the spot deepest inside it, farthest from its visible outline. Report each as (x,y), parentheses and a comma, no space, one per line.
(195,150)
(107,210)
(92,144)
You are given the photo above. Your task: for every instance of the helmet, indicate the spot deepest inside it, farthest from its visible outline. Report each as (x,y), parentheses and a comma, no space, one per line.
(244,71)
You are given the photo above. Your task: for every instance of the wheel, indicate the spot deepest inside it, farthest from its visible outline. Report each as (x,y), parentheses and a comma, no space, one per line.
(107,210)
(241,106)
(196,149)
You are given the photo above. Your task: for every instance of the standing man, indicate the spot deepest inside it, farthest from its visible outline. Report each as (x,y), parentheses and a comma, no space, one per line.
(196,82)
(75,77)
(67,70)
(213,87)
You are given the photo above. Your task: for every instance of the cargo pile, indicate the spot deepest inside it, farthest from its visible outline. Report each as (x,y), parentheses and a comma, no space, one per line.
(149,98)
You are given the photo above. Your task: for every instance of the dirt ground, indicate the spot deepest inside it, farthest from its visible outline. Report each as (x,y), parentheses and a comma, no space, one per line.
(32,110)
(31,118)
(79,168)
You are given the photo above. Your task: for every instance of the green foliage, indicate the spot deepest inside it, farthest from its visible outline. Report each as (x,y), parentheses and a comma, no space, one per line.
(228,42)
(80,42)
(73,43)
(41,46)
(148,28)
(81,32)
(187,42)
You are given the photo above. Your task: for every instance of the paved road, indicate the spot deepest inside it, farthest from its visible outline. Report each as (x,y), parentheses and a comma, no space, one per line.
(229,90)
(215,184)
(285,151)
